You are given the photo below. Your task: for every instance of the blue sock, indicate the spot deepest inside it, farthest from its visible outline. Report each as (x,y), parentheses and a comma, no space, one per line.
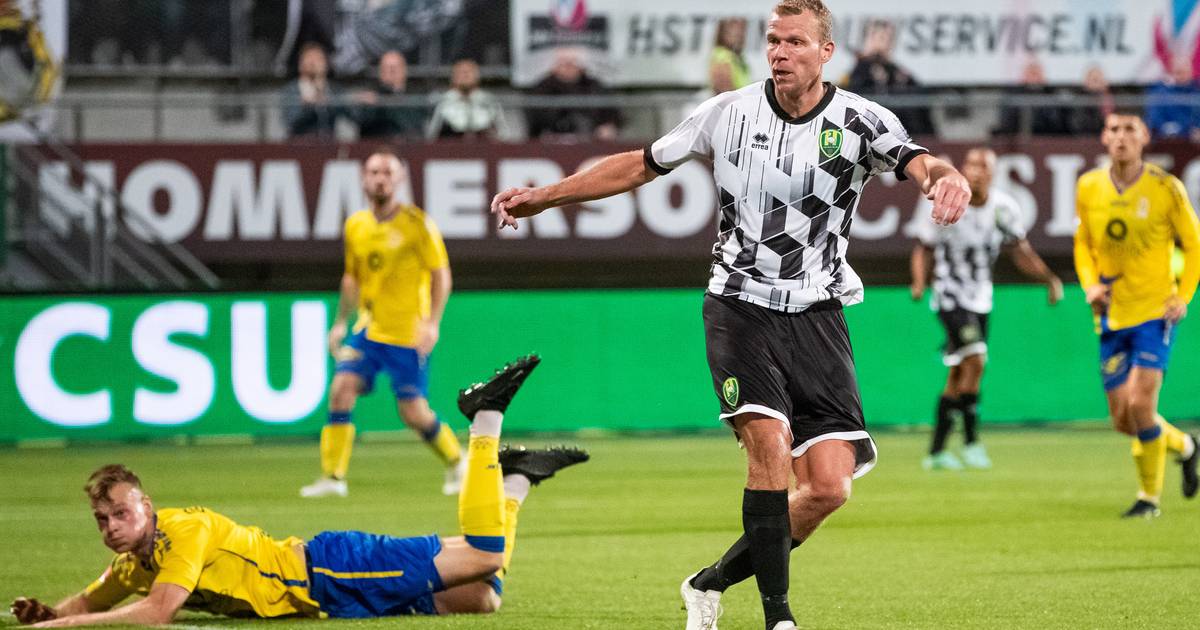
(1151,434)
(339,417)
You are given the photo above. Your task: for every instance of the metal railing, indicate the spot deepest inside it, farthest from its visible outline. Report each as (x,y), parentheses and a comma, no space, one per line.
(196,115)
(89,240)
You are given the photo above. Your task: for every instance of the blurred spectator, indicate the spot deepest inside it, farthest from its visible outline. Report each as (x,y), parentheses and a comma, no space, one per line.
(876,73)
(389,120)
(1088,120)
(1173,106)
(568,78)
(311,104)
(465,110)
(727,69)
(1046,119)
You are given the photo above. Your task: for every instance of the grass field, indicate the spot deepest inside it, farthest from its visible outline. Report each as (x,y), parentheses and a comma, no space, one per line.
(1034,543)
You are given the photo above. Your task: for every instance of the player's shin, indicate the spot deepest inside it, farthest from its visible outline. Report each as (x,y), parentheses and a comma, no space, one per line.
(1150,459)
(733,568)
(441,439)
(767,528)
(337,442)
(1178,442)
(481,510)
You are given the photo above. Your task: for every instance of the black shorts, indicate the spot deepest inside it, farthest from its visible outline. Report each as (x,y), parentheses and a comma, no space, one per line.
(796,367)
(966,335)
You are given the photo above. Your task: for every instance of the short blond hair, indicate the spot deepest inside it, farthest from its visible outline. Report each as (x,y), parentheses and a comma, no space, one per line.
(818,9)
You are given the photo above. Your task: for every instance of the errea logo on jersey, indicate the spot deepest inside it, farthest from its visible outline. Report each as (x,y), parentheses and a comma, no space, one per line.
(831,142)
(761,141)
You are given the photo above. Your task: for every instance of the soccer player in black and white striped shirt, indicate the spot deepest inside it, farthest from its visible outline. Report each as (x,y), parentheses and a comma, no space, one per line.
(962,257)
(790,157)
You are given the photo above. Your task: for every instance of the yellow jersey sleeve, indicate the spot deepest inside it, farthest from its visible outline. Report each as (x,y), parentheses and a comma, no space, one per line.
(433,248)
(347,248)
(108,590)
(182,549)
(1187,230)
(1085,258)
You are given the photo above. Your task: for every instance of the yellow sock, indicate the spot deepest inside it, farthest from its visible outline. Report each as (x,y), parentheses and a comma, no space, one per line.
(481,502)
(511,507)
(444,443)
(337,440)
(1177,440)
(1151,466)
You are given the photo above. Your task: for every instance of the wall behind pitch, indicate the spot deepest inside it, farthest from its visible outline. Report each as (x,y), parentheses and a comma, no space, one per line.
(127,367)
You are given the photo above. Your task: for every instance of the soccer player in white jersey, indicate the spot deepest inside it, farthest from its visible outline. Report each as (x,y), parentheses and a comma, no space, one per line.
(962,256)
(790,156)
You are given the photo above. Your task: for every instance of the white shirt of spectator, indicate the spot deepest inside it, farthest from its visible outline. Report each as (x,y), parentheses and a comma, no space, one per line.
(787,189)
(964,253)
(474,113)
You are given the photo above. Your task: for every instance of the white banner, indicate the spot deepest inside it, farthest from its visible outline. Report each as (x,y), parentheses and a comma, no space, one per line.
(975,42)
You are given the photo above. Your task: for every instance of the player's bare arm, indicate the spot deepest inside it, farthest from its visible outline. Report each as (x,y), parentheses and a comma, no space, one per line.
(30,610)
(158,608)
(1031,265)
(440,283)
(919,264)
(942,184)
(347,301)
(613,175)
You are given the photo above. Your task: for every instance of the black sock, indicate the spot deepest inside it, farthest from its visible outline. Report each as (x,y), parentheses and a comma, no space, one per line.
(733,568)
(768,532)
(969,404)
(945,423)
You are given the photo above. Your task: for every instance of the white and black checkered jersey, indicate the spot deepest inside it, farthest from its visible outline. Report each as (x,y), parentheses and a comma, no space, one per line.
(787,188)
(964,253)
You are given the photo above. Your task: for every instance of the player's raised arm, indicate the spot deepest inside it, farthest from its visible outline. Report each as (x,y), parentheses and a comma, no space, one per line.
(942,184)
(613,175)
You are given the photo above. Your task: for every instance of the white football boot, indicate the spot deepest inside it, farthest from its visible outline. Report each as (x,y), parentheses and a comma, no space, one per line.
(703,607)
(325,487)
(785,625)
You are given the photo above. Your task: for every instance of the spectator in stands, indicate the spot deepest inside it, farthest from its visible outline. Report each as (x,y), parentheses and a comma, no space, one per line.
(311,104)
(1173,106)
(389,120)
(465,111)
(1046,119)
(568,78)
(727,69)
(1088,120)
(876,73)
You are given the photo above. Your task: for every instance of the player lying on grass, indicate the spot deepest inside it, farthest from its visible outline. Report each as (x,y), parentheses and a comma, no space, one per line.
(197,559)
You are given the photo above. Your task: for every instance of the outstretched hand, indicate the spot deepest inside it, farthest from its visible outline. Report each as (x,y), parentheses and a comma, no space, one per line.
(515,203)
(28,611)
(949,194)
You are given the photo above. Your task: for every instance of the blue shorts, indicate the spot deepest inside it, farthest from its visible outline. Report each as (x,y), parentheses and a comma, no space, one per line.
(407,369)
(357,575)
(1146,345)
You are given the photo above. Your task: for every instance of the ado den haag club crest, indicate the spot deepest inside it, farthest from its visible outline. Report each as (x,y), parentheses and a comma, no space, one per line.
(831,142)
(730,390)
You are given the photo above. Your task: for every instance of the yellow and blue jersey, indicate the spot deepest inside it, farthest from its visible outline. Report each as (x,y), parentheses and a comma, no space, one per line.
(229,569)
(392,261)
(1127,238)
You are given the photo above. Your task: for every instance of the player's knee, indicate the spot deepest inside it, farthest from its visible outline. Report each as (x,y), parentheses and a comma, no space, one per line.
(827,495)
(416,413)
(1122,425)
(487,603)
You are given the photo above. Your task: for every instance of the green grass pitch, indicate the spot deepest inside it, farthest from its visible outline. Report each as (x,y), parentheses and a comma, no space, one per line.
(1035,543)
